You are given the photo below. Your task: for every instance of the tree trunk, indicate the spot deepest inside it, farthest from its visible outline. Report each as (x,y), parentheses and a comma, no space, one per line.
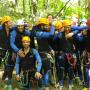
(16,2)
(62,8)
(33,8)
(30,8)
(23,7)
(16,5)
(34,3)
(79,15)
(87,7)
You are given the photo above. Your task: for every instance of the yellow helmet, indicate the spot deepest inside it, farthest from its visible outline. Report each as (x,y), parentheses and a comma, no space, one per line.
(58,25)
(26,38)
(85,88)
(43,21)
(66,23)
(5,19)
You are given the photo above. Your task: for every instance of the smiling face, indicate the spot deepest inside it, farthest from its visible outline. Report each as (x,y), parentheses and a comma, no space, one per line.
(83,24)
(9,24)
(44,27)
(26,41)
(20,28)
(26,44)
(67,29)
(50,18)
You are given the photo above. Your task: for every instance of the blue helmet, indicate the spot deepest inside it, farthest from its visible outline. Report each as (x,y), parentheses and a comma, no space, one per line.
(83,20)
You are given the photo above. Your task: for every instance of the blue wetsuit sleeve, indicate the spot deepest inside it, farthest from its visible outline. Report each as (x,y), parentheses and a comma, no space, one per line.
(75,32)
(12,41)
(42,34)
(38,58)
(74,28)
(58,36)
(28,32)
(1,28)
(83,27)
(78,28)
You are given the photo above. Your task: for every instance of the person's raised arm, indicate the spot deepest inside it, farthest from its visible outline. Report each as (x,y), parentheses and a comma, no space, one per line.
(43,34)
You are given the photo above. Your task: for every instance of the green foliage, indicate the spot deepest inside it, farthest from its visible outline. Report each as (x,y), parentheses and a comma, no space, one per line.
(33,9)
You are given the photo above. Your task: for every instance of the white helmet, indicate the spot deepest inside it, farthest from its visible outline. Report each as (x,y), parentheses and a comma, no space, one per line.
(20,22)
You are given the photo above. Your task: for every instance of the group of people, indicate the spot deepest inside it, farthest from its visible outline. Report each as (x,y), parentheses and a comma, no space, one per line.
(48,43)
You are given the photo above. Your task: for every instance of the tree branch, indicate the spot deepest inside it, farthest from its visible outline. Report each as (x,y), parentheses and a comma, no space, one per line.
(62,8)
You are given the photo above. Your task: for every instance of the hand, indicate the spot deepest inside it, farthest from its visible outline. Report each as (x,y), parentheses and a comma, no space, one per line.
(38,75)
(52,53)
(84,32)
(53,23)
(21,53)
(17,77)
(74,47)
(69,35)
